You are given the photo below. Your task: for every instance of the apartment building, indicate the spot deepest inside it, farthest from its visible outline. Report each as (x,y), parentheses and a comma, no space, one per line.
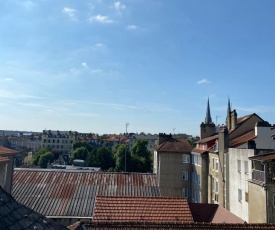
(59,140)
(173,167)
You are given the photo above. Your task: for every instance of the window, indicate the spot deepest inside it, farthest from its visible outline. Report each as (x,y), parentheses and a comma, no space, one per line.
(217,165)
(185,192)
(246,167)
(213,163)
(199,179)
(185,158)
(239,166)
(213,184)
(240,195)
(217,186)
(199,160)
(246,196)
(196,160)
(184,175)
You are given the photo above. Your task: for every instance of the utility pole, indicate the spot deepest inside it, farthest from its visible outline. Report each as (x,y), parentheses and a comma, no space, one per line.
(127,124)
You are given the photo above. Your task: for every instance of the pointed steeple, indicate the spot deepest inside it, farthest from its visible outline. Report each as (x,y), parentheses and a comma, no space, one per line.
(228,107)
(228,117)
(208,118)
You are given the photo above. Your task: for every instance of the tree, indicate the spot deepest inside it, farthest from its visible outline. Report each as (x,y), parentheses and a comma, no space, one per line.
(120,152)
(79,144)
(45,158)
(141,157)
(80,153)
(105,158)
(36,156)
(92,160)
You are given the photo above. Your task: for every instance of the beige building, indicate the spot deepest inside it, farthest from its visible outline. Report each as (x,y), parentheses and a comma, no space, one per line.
(172,164)
(59,140)
(261,189)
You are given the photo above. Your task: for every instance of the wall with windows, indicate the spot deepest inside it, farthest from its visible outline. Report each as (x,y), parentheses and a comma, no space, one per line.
(196,176)
(240,170)
(174,173)
(215,176)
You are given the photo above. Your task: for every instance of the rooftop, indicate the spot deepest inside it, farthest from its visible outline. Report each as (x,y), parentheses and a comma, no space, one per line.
(175,145)
(14,215)
(71,193)
(6,151)
(142,209)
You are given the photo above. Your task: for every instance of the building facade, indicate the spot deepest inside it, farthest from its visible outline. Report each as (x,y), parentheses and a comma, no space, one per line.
(173,167)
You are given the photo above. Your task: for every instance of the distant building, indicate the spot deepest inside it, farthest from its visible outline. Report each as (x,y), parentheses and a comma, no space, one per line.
(59,140)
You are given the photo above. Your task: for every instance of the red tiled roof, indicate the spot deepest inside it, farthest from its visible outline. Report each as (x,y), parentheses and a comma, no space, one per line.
(242,139)
(224,216)
(241,119)
(175,145)
(264,157)
(207,139)
(152,226)
(203,212)
(142,209)
(201,151)
(4,160)
(6,151)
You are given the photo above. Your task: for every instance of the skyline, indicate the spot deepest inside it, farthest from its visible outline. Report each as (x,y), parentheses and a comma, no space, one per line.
(93,66)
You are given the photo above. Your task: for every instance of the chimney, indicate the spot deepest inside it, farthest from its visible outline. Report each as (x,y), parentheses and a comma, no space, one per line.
(163,137)
(233,119)
(251,144)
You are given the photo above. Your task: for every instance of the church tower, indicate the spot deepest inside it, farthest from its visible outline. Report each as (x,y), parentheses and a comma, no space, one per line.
(208,128)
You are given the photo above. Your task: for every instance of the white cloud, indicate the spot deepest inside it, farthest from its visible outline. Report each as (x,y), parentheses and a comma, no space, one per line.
(99,45)
(12,95)
(96,70)
(73,69)
(84,64)
(118,6)
(8,79)
(131,27)
(203,81)
(70,12)
(101,19)
(30,104)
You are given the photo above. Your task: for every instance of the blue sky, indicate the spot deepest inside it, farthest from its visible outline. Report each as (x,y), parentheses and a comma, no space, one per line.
(93,66)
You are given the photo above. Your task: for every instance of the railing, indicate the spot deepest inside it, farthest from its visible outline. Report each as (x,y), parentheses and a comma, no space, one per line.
(258,175)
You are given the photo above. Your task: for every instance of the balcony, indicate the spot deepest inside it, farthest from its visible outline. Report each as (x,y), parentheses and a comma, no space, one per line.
(260,176)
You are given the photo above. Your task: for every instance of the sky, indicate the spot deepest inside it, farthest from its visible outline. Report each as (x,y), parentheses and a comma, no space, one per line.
(94,66)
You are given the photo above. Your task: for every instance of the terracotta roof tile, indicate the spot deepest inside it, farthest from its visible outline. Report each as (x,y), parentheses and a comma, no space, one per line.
(152,226)
(207,139)
(6,151)
(4,160)
(224,216)
(264,157)
(242,139)
(201,151)
(142,209)
(175,145)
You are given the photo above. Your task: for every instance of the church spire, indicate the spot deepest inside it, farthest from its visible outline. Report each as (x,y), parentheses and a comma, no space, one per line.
(208,118)
(228,107)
